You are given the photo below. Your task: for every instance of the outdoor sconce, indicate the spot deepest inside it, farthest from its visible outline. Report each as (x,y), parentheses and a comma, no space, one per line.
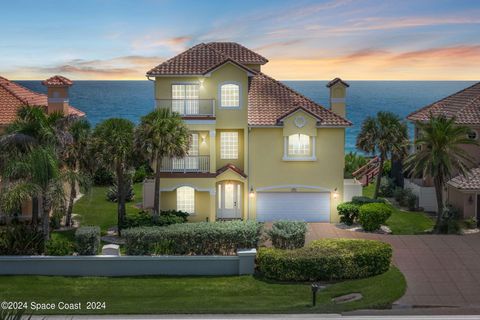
(335,193)
(201,82)
(204,139)
(252,193)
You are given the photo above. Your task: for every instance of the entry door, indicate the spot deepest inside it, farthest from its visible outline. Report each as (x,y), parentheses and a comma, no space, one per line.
(229,200)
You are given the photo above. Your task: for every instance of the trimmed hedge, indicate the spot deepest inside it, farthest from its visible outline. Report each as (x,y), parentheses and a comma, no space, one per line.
(203,238)
(348,212)
(145,219)
(87,240)
(327,259)
(372,215)
(288,234)
(361,200)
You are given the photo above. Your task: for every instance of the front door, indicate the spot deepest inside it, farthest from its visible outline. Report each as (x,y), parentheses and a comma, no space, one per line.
(229,200)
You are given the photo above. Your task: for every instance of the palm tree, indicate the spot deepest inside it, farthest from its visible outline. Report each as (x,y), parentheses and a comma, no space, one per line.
(384,135)
(439,154)
(161,134)
(113,140)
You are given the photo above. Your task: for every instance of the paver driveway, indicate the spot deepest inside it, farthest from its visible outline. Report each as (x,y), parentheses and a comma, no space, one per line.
(441,270)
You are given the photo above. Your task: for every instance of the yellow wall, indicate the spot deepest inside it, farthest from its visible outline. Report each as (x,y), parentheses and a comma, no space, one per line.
(168,201)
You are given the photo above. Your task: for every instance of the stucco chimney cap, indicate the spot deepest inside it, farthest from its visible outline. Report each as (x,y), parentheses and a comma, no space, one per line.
(336,80)
(57,81)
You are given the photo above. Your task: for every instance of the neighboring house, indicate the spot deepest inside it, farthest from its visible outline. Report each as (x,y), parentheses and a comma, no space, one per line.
(259,149)
(13,96)
(461,192)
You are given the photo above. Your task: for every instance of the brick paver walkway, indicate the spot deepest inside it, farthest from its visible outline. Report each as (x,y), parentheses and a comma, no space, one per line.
(441,270)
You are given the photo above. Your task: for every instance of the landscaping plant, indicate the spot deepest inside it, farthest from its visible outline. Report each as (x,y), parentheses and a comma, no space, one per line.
(348,212)
(387,187)
(372,215)
(288,234)
(59,247)
(87,240)
(20,239)
(145,219)
(360,200)
(113,195)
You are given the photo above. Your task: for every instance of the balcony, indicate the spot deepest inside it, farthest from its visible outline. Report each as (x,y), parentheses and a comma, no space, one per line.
(187,164)
(202,108)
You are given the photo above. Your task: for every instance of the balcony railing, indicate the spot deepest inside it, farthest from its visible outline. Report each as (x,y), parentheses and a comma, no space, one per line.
(189,107)
(187,164)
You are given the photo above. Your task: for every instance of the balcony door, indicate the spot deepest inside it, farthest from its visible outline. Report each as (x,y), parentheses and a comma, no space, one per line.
(185,99)
(190,162)
(229,200)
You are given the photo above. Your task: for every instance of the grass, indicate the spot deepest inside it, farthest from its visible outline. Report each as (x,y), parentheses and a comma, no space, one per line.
(94,209)
(236,294)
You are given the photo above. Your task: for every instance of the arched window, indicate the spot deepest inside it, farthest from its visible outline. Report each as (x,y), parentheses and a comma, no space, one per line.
(186,199)
(230,95)
(299,145)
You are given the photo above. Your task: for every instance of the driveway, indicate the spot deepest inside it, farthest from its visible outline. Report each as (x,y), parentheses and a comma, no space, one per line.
(441,270)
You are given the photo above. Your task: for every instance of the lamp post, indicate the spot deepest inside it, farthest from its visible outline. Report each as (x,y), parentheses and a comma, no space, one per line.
(315,288)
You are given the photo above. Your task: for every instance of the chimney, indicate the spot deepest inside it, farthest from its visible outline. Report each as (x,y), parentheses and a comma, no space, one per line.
(338,92)
(57,93)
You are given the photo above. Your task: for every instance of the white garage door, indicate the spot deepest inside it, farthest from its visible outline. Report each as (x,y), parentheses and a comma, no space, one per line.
(306,206)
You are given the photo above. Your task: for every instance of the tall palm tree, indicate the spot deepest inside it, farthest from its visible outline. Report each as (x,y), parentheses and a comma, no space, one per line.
(384,135)
(113,140)
(439,155)
(161,134)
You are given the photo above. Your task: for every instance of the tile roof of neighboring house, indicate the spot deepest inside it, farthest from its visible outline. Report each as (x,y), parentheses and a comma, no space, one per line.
(464,105)
(203,58)
(334,81)
(469,182)
(270,100)
(231,167)
(57,81)
(13,96)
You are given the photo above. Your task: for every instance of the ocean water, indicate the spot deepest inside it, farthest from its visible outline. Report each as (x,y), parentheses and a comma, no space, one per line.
(133,99)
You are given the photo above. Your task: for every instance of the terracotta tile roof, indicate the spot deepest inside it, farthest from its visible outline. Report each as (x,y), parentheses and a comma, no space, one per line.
(57,81)
(13,96)
(238,52)
(464,105)
(469,182)
(202,59)
(231,167)
(269,100)
(334,81)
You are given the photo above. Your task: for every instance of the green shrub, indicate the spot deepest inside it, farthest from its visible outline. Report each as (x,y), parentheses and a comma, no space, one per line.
(324,260)
(288,234)
(141,173)
(56,220)
(387,187)
(470,223)
(20,239)
(449,224)
(410,200)
(399,194)
(112,193)
(203,238)
(373,215)
(348,212)
(59,247)
(360,200)
(87,240)
(103,177)
(145,219)
(353,162)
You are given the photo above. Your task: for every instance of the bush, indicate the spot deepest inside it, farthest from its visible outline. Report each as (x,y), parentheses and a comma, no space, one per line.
(59,247)
(145,219)
(399,194)
(288,234)
(373,215)
(56,220)
(449,223)
(353,162)
(325,260)
(387,187)
(360,200)
(141,173)
(203,238)
(406,198)
(103,177)
(20,239)
(348,212)
(87,240)
(112,193)
(470,223)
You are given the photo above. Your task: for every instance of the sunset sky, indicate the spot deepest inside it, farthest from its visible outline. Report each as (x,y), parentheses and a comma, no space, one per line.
(304,40)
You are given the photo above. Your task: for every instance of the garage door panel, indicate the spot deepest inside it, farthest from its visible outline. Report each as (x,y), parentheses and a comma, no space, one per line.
(306,206)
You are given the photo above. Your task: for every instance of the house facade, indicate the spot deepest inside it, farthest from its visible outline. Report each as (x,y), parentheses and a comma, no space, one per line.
(259,149)
(463,192)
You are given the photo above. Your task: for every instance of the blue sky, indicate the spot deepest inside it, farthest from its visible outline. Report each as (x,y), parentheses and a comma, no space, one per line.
(354,39)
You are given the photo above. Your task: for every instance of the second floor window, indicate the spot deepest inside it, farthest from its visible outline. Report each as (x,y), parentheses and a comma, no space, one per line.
(229,145)
(230,95)
(185,99)
(299,145)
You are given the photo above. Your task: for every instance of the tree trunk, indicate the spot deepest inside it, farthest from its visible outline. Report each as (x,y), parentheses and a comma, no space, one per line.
(379,177)
(438,182)
(156,199)
(45,218)
(73,195)
(35,201)
(121,198)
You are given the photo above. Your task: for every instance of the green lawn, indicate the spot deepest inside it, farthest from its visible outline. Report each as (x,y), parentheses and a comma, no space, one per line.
(244,294)
(95,210)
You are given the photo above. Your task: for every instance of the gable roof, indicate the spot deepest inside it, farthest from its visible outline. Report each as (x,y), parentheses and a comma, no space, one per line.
(464,105)
(203,58)
(232,167)
(13,96)
(57,81)
(336,80)
(270,100)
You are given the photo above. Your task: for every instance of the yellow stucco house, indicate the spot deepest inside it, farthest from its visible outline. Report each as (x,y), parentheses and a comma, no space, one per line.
(259,149)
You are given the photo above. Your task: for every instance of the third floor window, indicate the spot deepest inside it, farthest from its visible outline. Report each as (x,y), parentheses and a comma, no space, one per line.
(230,95)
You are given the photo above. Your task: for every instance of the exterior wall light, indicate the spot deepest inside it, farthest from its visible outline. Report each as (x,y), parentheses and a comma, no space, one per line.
(204,139)
(335,193)
(251,193)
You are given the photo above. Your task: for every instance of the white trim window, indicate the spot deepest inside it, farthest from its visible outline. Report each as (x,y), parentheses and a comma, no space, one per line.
(230,95)
(186,199)
(299,147)
(229,145)
(185,98)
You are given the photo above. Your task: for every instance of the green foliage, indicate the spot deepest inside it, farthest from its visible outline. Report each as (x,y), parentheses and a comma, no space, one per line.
(348,212)
(56,219)
(288,234)
(387,187)
(112,193)
(387,167)
(59,247)
(103,177)
(372,215)
(470,223)
(406,198)
(141,173)
(20,239)
(327,259)
(145,219)
(449,223)
(87,240)
(203,238)
(353,162)
(359,200)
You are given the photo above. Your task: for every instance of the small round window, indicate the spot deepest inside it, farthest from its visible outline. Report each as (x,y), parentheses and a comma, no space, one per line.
(473,135)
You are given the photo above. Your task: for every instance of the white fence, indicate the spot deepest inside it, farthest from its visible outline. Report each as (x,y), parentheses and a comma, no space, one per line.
(351,188)
(426,195)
